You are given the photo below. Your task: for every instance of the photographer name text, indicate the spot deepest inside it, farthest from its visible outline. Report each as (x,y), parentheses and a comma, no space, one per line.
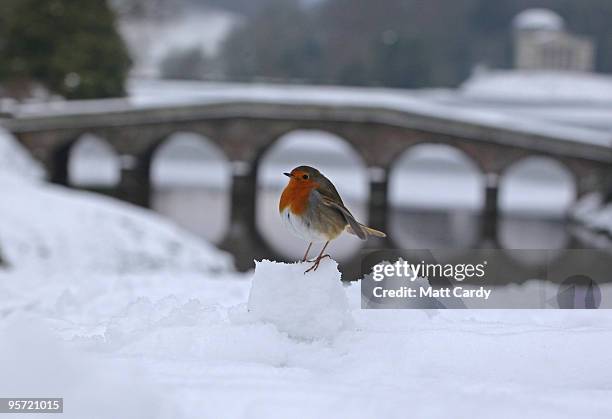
(430,292)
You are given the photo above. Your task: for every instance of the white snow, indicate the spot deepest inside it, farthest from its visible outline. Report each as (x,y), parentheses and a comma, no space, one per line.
(304,305)
(195,350)
(53,229)
(15,160)
(542,86)
(34,361)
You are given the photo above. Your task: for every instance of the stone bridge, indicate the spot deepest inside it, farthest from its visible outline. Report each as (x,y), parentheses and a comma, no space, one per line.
(243,130)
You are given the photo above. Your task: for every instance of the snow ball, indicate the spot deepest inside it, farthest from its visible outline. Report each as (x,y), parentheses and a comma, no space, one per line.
(305,306)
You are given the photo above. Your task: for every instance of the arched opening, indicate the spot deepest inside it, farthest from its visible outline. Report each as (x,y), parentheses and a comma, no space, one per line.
(337,160)
(436,194)
(190,180)
(535,195)
(93,164)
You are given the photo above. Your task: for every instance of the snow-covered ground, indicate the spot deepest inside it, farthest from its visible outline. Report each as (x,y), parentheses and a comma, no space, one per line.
(303,351)
(539,86)
(127,316)
(562,97)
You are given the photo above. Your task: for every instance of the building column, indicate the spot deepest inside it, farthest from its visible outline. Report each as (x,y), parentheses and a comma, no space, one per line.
(135,184)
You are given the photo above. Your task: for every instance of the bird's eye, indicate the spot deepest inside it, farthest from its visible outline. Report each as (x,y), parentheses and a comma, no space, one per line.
(305,177)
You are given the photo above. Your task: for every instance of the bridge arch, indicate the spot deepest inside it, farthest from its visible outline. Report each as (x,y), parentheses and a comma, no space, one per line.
(438,187)
(553,187)
(302,130)
(71,161)
(336,158)
(460,149)
(93,162)
(187,172)
(535,195)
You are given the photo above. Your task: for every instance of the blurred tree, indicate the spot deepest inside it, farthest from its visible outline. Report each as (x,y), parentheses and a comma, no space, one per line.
(277,43)
(401,43)
(400,62)
(4,9)
(147,9)
(189,64)
(71,48)
(407,43)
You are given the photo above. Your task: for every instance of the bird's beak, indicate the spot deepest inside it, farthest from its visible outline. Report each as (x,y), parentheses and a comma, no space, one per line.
(288,174)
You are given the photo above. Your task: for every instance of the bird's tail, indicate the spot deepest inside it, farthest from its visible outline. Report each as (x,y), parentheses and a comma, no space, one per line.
(369,231)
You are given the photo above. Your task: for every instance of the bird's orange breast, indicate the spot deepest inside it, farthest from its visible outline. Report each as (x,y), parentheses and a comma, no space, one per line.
(296,196)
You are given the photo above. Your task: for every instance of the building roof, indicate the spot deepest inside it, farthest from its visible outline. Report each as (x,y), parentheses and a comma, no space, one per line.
(538,20)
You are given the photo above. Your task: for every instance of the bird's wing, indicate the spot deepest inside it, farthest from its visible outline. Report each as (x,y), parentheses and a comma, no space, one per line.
(326,188)
(355,226)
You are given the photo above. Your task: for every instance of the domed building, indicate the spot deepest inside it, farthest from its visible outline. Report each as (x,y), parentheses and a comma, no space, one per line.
(538,20)
(542,43)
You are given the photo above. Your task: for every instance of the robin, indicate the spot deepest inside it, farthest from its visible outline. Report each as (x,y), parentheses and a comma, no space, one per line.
(312,210)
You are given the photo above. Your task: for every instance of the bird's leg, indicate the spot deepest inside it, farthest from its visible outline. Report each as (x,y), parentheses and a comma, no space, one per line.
(318,259)
(306,254)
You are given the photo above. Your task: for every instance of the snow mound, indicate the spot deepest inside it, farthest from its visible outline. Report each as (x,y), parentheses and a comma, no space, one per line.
(305,306)
(54,229)
(15,160)
(51,229)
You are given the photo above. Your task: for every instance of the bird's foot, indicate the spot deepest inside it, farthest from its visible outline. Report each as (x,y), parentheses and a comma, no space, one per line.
(313,268)
(315,259)
(316,263)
